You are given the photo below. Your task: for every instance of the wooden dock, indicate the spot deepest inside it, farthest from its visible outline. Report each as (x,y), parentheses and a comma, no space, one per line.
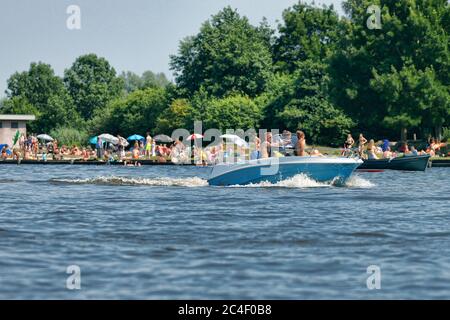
(89,162)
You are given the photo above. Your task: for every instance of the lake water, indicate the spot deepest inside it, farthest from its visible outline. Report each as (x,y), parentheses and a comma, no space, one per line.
(162,233)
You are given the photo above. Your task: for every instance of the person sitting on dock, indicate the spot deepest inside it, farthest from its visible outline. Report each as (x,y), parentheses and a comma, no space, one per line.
(85,154)
(135,153)
(4,153)
(75,151)
(26,154)
(16,154)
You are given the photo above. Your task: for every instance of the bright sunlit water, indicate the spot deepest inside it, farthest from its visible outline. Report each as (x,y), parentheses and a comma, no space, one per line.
(162,233)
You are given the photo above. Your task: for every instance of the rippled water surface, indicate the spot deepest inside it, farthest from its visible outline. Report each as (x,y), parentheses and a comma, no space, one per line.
(163,233)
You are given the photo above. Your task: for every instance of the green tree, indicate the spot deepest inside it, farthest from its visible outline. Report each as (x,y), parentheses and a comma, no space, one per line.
(228,55)
(92,84)
(300,101)
(413,97)
(149,79)
(180,114)
(131,80)
(307,32)
(70,136)
(40,92)
(413,32)
(136,113)
(154,80)
(232,112)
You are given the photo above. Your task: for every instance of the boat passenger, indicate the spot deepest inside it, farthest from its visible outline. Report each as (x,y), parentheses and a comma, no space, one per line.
(316,153)
(371,155)
(404,148)
(361,142)
(287,139)
(349,142)
(266,146)
(413,151)
(300,146)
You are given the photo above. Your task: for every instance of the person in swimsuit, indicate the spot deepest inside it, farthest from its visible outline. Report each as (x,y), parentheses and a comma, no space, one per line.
(136,153)
(266,146)
(349,142)
(362,141)
(371,155)
(300,146)
(4,154)
(148,145)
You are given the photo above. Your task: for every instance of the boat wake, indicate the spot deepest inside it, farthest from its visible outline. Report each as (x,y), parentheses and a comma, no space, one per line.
(126,181)
(303,181)
(358,182)
(299,181)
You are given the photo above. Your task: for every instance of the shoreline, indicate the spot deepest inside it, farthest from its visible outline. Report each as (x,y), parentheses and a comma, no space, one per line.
(436,163)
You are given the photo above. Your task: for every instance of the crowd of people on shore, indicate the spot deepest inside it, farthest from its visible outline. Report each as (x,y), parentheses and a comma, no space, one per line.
(31,148)
(263,146)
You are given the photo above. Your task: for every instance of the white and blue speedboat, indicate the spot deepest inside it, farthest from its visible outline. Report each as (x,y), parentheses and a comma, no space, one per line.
(273,170)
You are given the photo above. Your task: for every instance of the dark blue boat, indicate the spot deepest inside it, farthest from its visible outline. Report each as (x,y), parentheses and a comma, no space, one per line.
(406,163)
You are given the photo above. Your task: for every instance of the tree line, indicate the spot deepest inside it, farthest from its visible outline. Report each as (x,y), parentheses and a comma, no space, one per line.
(319,72)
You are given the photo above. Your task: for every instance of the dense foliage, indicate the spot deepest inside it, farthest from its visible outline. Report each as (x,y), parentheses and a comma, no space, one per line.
(227,55)
(318,72)
(396,77)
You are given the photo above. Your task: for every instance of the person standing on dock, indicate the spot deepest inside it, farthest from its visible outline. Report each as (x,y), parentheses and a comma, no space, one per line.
(153,148)
(148,145)
(99,148)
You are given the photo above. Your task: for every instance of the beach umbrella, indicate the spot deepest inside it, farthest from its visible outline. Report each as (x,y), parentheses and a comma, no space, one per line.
(123,142)
(235,139)
(106,137)
(44,137)
(194,136)
(163,138)
(135,137)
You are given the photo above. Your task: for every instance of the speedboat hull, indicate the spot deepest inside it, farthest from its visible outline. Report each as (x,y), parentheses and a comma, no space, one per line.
(407,163)
(273,170)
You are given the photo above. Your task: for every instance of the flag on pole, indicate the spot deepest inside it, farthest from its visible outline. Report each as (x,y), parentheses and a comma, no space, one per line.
(16,137)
